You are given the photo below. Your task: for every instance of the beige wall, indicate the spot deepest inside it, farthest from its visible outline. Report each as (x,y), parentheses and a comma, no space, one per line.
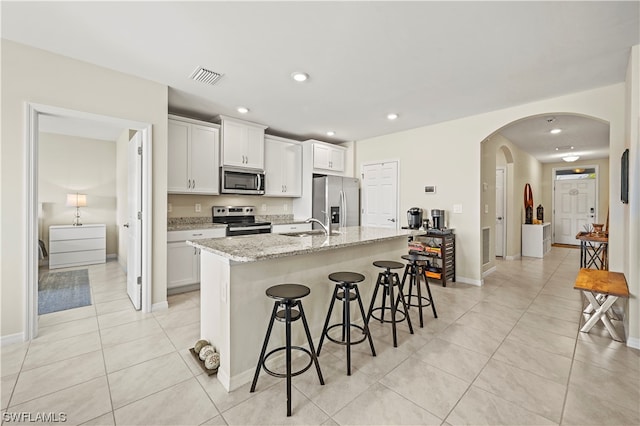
(521,168)
(448,155)
(78,86)
(70,164)
(183,205)
(603,186)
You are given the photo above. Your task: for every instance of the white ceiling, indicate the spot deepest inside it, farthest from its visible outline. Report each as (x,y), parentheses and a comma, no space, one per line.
(427,61)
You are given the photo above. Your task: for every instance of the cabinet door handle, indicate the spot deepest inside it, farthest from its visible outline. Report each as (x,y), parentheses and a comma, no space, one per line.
(196,235)
(194,184)
(188,183)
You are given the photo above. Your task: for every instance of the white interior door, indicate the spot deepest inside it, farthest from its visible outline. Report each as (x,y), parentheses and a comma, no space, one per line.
(380,195)
(134,199)
(574,207)
(500,211)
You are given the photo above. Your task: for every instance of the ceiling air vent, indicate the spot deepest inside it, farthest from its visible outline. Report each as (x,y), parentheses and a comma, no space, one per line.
(205,76)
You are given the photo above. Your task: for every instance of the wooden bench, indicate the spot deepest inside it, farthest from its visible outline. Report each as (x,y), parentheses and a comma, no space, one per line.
(602,289)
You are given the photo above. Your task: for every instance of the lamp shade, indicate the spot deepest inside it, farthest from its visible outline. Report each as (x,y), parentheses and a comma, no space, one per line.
(77,200)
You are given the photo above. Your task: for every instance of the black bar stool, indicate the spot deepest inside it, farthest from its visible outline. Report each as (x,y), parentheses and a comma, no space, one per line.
(388,280)
(287,296)
(346,282)
(415,272)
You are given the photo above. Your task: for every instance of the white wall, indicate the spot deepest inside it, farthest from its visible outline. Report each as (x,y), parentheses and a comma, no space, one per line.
(448,155)
(78,86)
(70,164)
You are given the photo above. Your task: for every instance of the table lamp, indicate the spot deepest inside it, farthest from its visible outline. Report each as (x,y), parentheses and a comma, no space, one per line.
(77,200)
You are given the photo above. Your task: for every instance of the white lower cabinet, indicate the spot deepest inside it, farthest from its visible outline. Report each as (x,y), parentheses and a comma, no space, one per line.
(290,227)
(183,260)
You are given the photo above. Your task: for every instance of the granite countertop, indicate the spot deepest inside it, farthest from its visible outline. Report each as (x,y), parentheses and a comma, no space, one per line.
(251,248)
(192,226)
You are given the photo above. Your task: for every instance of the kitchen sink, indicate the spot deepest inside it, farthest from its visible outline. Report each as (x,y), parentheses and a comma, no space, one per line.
(303,234)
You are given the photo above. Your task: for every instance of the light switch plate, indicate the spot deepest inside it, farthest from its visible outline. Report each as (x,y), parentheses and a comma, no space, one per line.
(169,208)
(198,207)
(430,189)
(457,208)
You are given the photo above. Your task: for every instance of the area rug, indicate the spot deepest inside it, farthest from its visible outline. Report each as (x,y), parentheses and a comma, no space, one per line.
(59,291)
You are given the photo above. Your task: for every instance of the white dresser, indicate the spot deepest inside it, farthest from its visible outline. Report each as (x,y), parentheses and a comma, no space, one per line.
(77,245)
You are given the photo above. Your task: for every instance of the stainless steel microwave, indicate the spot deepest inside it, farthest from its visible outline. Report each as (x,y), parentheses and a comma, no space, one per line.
(241,181)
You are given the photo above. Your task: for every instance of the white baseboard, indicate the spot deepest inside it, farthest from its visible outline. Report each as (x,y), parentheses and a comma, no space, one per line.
(633,342)
(489,271)
(469,281)
(514,257)
(160,306)
(112,256)
(11,339)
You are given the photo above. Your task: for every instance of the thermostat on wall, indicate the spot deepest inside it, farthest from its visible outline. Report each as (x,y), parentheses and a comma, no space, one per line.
(430,189)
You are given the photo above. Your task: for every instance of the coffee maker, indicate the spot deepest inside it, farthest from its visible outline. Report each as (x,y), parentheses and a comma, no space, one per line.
(438,218)
(414,217)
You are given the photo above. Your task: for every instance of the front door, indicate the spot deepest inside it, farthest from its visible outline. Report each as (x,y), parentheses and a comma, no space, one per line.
(574,207)
(134,198)
(380,195)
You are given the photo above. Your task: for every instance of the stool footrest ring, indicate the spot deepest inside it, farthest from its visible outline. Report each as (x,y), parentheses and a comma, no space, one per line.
(398,312)
(342,342)
(282,375)
(419,305)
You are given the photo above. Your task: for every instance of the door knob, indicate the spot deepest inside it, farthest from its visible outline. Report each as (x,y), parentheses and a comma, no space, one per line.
(499,218)
(391,220)
(126,225)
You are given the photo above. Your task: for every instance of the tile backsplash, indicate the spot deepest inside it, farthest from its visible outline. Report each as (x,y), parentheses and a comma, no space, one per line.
(184,205)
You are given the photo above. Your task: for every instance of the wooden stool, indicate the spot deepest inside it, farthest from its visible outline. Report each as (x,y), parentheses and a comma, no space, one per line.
(602,289)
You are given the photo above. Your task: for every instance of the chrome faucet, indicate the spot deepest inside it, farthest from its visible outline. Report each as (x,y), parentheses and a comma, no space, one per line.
(327,229)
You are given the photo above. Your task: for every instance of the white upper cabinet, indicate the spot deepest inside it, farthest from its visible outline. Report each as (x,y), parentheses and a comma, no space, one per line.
(193,157)
(327,157)
(283,167)
(242,143)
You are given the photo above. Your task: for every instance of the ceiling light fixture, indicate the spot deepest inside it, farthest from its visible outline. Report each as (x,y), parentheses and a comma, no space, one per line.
(299,76)
(570,158)
(331,133)
(392,116)
(555,131)
(242,110)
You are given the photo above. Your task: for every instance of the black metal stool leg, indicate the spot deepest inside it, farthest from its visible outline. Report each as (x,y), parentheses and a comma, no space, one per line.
(404,304)
(311,349)
(288,355)
(347,324)
(392,306)
(326,322)
(264,347)
(433,303)
(366,322)
(373,299)
(417,277)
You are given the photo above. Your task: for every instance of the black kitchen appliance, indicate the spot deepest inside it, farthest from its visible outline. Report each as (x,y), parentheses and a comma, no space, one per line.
(438,218)
(240,220)
(414,217)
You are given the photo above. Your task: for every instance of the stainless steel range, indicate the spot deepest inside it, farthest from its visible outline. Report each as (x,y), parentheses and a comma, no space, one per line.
(240,220)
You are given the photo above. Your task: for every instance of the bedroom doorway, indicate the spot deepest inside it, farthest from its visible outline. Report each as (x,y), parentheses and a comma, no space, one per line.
(38,114)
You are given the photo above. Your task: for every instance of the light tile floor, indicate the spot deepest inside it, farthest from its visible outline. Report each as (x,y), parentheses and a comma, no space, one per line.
(508,352)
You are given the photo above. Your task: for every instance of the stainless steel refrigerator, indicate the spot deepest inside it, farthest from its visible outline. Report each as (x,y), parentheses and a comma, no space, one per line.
(336,200)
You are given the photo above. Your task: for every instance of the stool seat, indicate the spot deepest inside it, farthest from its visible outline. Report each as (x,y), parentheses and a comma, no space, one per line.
(285,292)
(346,277)
(415,257)
(388,264)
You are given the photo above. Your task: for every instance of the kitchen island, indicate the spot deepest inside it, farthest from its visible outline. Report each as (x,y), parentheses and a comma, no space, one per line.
(236,271)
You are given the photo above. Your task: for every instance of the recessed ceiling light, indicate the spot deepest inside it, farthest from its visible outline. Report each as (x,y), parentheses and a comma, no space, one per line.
(392,116)
(555,131)
(300,76)
(242,110)
(570,158)
(331,133)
